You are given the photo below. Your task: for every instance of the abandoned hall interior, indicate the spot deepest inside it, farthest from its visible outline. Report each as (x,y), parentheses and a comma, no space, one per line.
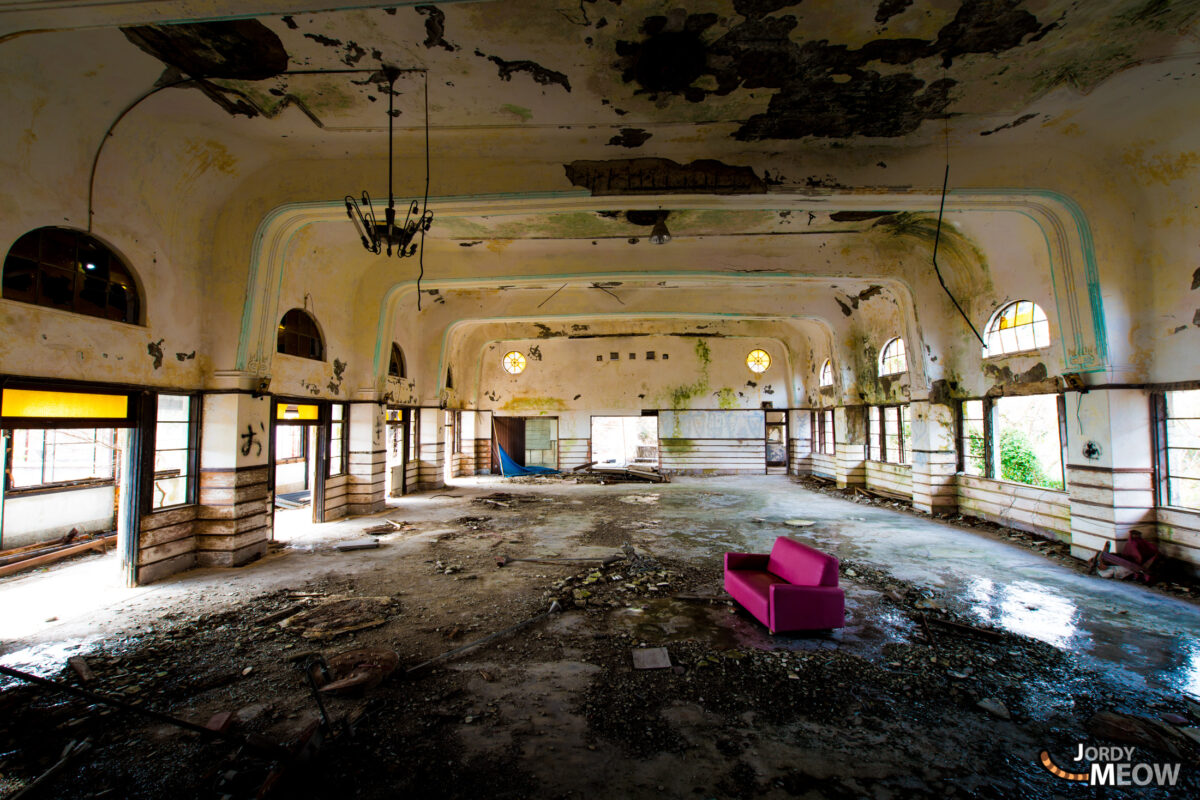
(600,398)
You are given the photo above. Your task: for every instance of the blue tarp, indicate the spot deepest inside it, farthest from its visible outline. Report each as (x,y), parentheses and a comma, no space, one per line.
(510,468)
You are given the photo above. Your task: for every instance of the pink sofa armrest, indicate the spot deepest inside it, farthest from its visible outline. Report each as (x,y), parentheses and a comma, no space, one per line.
(806,607)
(746,561)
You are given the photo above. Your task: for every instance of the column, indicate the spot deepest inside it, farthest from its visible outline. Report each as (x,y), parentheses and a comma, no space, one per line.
(367,469)
(850,434)
(934,457)
(432,450)
(233,523)
(1110,475)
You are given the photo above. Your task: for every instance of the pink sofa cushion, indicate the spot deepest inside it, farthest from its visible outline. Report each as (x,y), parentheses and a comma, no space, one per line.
(800,564)
(752,588)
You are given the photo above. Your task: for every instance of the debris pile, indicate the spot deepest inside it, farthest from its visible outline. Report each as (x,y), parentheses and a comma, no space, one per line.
(611,473)
(616,582)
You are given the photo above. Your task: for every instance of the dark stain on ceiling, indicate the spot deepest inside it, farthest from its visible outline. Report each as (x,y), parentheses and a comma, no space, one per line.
(890,8)
(630,137)
(824,90)
(238,49)
(435,28)
(663,176)
(540,74)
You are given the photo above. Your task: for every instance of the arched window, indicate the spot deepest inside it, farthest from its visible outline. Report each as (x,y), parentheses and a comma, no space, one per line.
(300,336)
(449,378)
(827,373)
(396,362)
(1016,328)
(892,360)
(72,271)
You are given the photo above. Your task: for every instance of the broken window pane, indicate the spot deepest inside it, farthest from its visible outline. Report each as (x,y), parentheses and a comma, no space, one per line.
(1183,448)
(1028,434)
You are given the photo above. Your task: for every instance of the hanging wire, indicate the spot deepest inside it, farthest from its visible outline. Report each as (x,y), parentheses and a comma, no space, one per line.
(937,237)
(425,202)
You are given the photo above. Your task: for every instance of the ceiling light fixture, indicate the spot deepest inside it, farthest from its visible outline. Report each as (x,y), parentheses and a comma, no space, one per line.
(392,235)
(659,233)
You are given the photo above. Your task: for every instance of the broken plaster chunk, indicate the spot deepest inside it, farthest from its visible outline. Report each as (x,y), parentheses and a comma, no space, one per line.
(799,523)
(994,707)
(651,658)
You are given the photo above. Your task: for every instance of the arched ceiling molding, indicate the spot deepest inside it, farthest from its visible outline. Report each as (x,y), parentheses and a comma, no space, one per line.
(1062,222)
(400,292)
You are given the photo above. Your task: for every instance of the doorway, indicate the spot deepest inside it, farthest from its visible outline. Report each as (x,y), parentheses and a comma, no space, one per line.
(298,457)
(777,442)
(397,450)
(625,440)
(525,441)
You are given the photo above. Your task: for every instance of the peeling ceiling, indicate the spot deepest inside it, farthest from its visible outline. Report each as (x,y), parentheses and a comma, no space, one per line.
(767,70)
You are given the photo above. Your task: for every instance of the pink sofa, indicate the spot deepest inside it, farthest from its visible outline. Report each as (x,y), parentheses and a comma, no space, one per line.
(795,588)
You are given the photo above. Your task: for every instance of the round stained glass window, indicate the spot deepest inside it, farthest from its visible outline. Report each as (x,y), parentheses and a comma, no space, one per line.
(514,363)
(758,361)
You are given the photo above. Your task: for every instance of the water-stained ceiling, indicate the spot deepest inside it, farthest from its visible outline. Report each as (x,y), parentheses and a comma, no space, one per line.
(758,70)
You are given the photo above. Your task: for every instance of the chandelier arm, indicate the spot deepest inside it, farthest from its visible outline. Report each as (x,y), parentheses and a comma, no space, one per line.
(356,216)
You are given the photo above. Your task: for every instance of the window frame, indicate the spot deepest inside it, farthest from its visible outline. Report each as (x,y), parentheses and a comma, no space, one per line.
(821,431)
(41,267)
(826,368)
(46,487)
(877,444)
(960,436)
(991,440)
(192,458)
(1161,444)
(396,359)
(885,355)
(337,448)
(316,336)
(992,328)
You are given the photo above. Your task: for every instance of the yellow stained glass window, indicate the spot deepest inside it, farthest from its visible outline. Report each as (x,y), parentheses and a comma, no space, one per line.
(827,373)
(64,405)
(514,363)
(296,411)
(1016,328)
(758,361)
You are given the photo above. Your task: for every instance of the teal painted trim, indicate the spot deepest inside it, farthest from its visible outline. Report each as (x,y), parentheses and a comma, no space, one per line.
(1087,246)
(1092,272)
(329,205)
(248,303)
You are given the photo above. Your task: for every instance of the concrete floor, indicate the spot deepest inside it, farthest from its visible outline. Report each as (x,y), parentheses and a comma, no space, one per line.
(1141,645)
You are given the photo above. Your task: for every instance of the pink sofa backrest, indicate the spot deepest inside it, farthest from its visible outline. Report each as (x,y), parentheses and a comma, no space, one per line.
(801,565)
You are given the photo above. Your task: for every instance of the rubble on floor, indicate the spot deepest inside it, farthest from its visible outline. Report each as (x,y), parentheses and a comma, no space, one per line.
(944,705)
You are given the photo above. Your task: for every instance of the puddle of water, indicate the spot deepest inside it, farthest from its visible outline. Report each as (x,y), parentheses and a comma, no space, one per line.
(45,660)
(1026,608)
(1187,677)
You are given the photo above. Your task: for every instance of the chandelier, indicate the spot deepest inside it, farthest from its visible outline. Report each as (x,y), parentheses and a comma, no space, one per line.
(393,236)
